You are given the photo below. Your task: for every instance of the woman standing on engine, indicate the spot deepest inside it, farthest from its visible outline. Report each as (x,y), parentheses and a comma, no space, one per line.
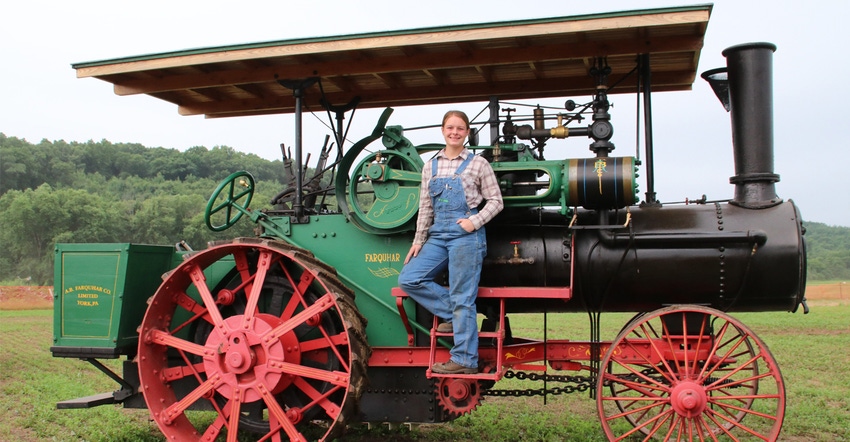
(450,235)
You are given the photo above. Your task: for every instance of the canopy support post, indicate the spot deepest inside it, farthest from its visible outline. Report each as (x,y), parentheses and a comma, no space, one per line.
(298,87)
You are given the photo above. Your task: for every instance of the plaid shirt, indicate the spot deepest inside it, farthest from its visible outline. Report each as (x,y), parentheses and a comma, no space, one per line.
(479,184)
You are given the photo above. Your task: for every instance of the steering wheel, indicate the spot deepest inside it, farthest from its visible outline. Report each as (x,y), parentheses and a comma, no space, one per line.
(233,203)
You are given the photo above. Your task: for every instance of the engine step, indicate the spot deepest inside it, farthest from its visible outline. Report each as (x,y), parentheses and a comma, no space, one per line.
(87,402)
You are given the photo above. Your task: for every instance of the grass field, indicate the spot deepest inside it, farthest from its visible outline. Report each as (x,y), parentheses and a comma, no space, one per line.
(811,351)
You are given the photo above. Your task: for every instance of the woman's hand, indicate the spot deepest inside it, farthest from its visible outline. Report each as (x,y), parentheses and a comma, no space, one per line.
(466,224)
(414,251)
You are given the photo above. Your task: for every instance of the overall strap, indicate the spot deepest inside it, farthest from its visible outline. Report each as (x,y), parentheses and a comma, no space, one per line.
(465,163)
(459,170)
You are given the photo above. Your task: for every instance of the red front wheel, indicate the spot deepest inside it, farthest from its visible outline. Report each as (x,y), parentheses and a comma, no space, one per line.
(690,373)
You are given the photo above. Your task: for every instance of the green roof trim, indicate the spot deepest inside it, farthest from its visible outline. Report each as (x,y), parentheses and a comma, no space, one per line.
(465,27)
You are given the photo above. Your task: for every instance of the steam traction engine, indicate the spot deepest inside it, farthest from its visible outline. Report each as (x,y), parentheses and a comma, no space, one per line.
(304,324)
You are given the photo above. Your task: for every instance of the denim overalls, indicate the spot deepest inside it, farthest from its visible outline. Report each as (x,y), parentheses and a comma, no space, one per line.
(449,246)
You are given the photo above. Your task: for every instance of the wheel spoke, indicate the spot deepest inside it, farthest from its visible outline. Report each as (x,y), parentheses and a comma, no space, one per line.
(738,341)
(657,351)
(657,422)
(182,371)
(335,377)
(239,195)
(299,288)
(705,428)
(628,403)
(319,398)
(241,261)
(164,338)
(738,425)
(214,429)
(648,363)
(320,306)
(724,382)
(635,386)
(685,343)
(200,283)
(660,424)
(189,304)
(170,413)
(744,400)
(718,425)
(220,207)
(671,426)
(263,263)
(303,285)
(235,405)
(324,342)
(230,189)
(329,342)
(280,415)
(294,302)
(700,340)
(668,364)
(726,407)
(656,402)
(718,343)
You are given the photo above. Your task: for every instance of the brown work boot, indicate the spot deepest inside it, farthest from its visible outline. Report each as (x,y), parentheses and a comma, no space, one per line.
(452,367)
(445,327)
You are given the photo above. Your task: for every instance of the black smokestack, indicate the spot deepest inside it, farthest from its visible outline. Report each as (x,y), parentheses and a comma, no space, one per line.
(750,76)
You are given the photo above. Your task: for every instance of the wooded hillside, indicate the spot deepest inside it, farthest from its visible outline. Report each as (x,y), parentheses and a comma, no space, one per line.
(54,192)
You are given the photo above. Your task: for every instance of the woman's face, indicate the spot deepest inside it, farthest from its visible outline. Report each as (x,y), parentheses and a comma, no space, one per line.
(455,131)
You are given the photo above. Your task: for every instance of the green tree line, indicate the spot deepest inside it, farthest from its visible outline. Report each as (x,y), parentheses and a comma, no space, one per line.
(827,252)
(61,164)
(100,192)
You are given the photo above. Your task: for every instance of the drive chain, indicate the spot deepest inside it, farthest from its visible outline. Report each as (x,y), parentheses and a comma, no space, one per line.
(582,383)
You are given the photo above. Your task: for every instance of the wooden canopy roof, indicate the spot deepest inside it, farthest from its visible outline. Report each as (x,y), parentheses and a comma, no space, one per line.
(511,60)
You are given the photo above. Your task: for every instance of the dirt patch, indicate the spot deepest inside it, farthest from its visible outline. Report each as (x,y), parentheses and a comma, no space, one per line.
(828,294)
(838,290)
(26,297)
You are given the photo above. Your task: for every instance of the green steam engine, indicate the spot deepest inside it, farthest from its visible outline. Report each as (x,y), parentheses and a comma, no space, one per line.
(301,330)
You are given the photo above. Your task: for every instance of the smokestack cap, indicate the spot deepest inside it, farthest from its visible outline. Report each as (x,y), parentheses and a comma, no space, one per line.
(757,45)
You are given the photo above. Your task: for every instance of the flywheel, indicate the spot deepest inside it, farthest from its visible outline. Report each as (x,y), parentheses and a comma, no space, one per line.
(378,191)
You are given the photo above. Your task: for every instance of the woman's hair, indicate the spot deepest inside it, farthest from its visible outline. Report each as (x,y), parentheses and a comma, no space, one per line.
(455,113)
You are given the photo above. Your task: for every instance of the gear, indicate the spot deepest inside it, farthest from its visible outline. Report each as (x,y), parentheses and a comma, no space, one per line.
(458,396)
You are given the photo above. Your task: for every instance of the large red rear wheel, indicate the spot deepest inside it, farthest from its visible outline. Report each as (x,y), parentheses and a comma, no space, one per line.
(690,373)
(275,347)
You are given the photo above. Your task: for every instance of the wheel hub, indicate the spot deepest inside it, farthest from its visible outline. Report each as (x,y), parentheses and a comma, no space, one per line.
(240,357)
(688,399)
(247,363)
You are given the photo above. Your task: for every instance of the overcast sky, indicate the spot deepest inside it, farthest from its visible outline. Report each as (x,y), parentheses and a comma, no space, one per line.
(42,98)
